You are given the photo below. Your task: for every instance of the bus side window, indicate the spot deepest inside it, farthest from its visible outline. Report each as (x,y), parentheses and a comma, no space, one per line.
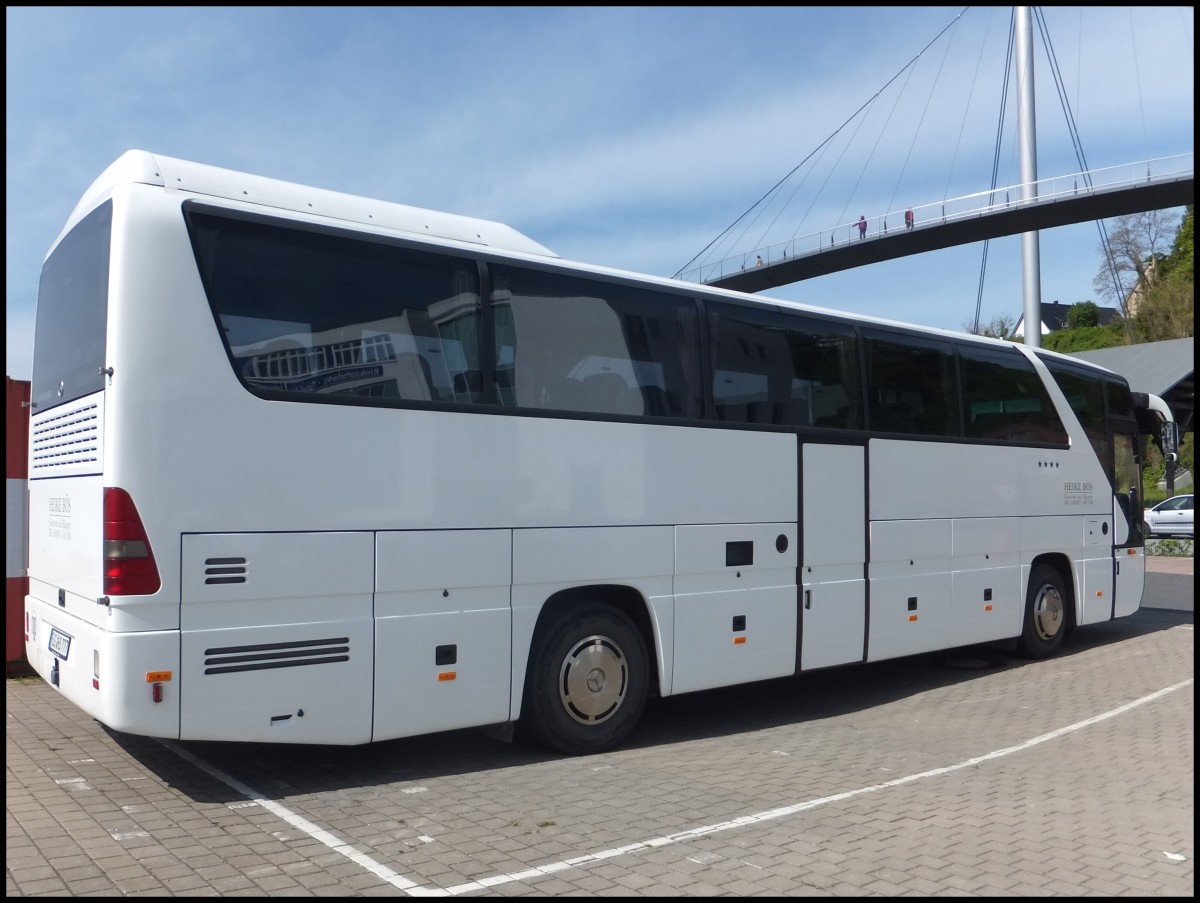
(894,417)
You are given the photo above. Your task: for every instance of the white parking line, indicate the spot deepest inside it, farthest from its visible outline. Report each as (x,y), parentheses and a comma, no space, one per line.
(297,821)
(417,890)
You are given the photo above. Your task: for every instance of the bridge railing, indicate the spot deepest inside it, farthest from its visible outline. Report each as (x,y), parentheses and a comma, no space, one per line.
(940,213)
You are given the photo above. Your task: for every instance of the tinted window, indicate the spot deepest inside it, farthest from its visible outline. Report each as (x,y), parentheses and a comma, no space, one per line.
(911,386)
(769,367)
(1179,503)
(1085,395)
(576,344)
(1120,399)
(72,314)
(1127,481)
(1006,400)
(317,314)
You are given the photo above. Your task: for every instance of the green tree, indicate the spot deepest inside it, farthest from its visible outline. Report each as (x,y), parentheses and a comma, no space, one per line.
(1180,263)
(1085,313)
(1086,338)
(1166,309)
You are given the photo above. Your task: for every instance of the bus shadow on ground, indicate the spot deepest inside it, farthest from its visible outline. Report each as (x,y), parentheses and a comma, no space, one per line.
(279,771)
(834,692)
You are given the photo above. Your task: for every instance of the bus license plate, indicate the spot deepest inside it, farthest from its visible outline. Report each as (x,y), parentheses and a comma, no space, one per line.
(60,643)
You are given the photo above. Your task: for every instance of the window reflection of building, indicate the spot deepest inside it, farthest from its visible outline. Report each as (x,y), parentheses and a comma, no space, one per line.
(455,323)
(411,356)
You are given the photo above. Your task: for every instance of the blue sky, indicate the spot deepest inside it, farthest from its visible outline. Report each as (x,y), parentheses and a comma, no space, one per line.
(625,137)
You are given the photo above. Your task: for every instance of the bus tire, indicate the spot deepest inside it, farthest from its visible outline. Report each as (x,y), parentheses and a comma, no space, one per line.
(1046,618)
(587,681)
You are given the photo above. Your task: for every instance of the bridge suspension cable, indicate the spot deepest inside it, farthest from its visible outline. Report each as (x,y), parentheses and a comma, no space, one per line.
(728,229)
(1012,26)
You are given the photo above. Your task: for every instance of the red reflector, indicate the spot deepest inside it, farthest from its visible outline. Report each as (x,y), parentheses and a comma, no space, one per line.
(129,567)
(156,692)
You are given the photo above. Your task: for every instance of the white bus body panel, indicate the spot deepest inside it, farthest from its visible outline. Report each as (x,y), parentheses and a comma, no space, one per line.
(66,586)
(834,556)
(734,622)
(546,562)
(1094,571)
(1094,577)
(66,502)
(910,587)
(920,480)
(286,653)
(988,594)
(1130,581)
(1049,502)
(447,589)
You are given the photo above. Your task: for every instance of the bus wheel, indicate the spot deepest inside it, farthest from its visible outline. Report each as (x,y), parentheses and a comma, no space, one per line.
(1045,613)
(587,681)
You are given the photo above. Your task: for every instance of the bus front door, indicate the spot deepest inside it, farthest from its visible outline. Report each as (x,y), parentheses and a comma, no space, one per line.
(833,531)
(1127,539)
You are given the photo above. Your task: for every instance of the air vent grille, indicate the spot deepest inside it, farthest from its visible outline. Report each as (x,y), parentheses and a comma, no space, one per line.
(263,656)
(69,438)
(225,570)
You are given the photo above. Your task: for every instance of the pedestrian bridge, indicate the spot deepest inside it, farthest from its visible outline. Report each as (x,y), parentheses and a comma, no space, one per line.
(1075,198)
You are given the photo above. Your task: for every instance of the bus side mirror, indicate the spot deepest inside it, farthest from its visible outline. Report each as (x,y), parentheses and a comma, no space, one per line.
(1169,440)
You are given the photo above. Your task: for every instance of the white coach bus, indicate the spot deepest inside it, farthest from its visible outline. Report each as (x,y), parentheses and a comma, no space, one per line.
(311,468)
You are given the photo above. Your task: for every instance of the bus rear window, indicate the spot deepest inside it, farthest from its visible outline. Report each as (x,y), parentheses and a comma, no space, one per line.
(72,314)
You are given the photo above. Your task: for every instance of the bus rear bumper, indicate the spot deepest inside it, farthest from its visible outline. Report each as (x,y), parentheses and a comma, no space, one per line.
(126,681)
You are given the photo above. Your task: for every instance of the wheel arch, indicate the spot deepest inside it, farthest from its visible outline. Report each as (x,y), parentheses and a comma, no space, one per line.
(1066,572)
(626,599)
(602,632)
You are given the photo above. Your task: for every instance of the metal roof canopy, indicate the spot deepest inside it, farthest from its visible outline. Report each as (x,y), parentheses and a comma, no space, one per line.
(1166,369)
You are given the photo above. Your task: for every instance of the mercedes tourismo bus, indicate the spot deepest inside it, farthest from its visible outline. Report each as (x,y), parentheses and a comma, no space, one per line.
(307,467)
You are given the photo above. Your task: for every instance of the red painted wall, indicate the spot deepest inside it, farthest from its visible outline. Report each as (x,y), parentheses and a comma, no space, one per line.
(16,443)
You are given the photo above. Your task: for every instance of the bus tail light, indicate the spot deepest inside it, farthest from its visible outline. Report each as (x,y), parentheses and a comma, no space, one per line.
(129,567)
(156,679)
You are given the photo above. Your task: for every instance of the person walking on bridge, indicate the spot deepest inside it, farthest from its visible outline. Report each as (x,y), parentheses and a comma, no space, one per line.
(862,227)
(908,218)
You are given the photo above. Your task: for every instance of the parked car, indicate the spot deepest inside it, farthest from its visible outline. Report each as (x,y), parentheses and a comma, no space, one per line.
(1174,517)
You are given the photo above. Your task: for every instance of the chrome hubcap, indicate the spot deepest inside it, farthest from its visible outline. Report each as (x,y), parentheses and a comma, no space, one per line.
(1048,613)
(593,680)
